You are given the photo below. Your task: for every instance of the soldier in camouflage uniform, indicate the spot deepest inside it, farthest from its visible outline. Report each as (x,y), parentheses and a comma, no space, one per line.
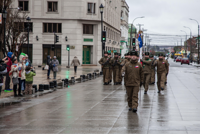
(111,67)
(162,69)
(120,68)
(134,74)
(105,62)
(166,70)
(152,80)
(147,63)
(116,62)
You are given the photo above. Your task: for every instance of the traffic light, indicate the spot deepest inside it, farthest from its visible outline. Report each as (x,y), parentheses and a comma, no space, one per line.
(103,45)
(52,47)
(104,36)
(133,41)
(68,47)
(56,39)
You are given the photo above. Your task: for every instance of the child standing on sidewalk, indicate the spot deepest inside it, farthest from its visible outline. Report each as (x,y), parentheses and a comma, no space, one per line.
(29,79)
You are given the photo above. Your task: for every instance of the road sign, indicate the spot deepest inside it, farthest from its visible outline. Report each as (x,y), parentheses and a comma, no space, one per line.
(0,18)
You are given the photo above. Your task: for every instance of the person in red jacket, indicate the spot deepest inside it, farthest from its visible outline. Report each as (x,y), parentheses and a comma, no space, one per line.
(9,64)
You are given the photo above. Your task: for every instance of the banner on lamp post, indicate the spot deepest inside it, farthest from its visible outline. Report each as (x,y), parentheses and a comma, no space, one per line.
(0,18)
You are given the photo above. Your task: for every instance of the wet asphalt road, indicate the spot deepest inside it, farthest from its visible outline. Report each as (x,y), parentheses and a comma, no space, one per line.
(91,108)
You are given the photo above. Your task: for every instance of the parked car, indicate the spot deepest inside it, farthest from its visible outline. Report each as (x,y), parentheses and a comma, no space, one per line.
(175,58)
(178,59)
(185,61)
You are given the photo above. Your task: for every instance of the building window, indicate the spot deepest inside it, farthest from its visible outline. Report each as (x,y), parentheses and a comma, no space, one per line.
(52,27)
(23,5)
(52,6)
(91,8)
(23,26)
(87,29)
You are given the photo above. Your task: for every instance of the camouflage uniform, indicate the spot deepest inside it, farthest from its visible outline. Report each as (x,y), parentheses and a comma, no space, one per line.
(105,62)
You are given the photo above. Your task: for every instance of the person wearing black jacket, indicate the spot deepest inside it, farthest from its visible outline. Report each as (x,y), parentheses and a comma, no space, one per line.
(49,64)
(3,67)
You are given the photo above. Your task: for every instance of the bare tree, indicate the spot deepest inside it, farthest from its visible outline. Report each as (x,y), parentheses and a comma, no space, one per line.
(15,30)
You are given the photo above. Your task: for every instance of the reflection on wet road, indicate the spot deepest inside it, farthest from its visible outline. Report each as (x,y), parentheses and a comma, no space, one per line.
(91,108)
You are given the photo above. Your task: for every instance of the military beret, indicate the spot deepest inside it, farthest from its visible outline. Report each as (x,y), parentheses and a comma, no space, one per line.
(109,53)
(105,52)
(125,54)
(151,56)
(146,53)
(164,55)
(116,53)
(129,53)
(160,54)
(133,53)
(119,54)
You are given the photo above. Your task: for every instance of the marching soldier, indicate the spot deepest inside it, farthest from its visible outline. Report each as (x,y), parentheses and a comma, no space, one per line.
(152,80)
(124,62)
(116,67)
(105,62)
(120,68)
(162,68)
(111,68)
(166,70)
(147,71)
(134,73)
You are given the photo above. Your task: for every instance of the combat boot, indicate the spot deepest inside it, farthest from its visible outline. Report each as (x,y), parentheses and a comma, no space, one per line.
(134,110)
(158,91)
(162,88)
(145,92)
(130,109)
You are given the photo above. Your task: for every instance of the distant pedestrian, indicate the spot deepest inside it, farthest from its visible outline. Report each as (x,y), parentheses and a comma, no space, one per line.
(29,80)
(76,63)
(14,73)
(3,71)
(54,64)
(28,62)
(9,64)
(50,66)
(22,68)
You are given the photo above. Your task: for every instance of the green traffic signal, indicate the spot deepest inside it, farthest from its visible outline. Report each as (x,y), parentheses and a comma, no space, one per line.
(68,47)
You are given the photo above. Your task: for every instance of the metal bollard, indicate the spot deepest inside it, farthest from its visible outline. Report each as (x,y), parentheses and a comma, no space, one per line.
(51,84)
(73,80)
(55,83)
(46,87)
(35,88)
(41,87)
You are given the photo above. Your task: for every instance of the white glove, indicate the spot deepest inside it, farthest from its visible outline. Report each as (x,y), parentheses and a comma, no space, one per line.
(123,74)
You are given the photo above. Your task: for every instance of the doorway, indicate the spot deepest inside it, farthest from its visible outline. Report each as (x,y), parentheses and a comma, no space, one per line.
(86,54)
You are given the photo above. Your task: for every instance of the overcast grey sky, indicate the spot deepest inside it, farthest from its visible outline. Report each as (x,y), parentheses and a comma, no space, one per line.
(166,16)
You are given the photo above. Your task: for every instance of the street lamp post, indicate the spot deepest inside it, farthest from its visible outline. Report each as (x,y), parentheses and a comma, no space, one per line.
(101,11)
(197,38)
(186,38)
(190,39)
(132,31)
(4,41)
(28,19)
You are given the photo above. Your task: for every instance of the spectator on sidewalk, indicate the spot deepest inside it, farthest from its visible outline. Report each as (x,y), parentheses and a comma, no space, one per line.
(29,80)
(55,64)
(76,63)
(3,71)
(50,66)
(9,64)
(14,73)
(28,62)
(22,77)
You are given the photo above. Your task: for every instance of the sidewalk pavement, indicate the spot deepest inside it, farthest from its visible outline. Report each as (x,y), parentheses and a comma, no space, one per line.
(41,75)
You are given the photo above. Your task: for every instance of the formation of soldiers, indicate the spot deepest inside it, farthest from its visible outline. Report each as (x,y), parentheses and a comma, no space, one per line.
(136,73)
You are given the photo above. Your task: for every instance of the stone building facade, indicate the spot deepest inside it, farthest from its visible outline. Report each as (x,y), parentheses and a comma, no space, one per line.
(76,22)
